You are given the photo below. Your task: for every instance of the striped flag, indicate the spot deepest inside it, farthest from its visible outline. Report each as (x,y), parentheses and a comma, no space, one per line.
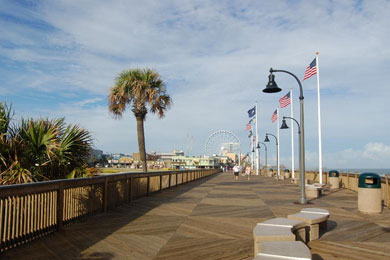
(310,70)
(274,116)
(285,100)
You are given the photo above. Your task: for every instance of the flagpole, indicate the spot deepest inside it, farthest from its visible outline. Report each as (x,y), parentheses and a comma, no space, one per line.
(278,158)
(292,135)
(250,139)
(253,148)
(257,150)
(319,121)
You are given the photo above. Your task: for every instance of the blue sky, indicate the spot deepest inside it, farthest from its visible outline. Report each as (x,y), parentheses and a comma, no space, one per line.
(59,59)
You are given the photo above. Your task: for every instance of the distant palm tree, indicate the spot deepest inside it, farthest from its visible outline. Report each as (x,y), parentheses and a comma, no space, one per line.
(141,89)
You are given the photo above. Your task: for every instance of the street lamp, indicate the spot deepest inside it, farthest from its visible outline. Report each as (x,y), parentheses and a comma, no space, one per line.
(272,87)
(277,150)
(266,161)
(285,126)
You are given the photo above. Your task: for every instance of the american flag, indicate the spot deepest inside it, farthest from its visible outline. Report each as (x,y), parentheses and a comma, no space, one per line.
(274,116)
(248,127)
(310,70)
(285,100)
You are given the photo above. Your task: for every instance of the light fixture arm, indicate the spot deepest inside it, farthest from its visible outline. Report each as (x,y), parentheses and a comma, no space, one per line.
(299,128)
(264,145)
(266,159)
(271,70)
(273,136)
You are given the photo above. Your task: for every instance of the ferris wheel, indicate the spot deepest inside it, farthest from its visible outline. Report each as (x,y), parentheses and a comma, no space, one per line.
(222,142)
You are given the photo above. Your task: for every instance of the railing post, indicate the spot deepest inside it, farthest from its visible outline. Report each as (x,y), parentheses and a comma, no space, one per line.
(161,177)
(169,180)
(131,189)
(148,186)
(177,178)
(128,189)
(387,191)
(105,195)
(60,206)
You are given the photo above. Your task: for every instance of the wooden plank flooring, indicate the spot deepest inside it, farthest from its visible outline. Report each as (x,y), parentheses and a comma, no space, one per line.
(212,218)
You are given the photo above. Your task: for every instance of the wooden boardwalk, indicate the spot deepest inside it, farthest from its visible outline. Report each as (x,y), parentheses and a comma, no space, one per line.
(212,218)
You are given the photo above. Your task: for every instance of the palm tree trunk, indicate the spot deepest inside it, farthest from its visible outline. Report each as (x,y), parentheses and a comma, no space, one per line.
(141,141)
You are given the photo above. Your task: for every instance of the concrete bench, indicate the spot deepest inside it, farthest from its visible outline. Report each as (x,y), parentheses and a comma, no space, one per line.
(283,250)
(314,218)
(313,191)
(297,181)
(278,229)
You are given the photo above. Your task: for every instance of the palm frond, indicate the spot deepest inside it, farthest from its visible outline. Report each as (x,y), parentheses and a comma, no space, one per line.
(6,114)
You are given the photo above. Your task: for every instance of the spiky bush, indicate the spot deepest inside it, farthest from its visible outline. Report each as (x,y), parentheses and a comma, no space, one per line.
(40,149)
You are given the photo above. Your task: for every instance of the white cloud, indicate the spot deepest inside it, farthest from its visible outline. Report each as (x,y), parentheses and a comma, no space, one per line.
(372,155)
(88,101)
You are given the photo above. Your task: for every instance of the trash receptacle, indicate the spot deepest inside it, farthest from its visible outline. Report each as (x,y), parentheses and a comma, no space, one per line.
(271,172)
(287,174)
(369,193)
(334,180)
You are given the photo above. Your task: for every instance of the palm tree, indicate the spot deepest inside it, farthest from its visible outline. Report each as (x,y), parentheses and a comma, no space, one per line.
(141,89)
(43,149)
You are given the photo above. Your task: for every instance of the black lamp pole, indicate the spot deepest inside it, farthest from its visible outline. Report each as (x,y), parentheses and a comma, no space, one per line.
(266,160)
(272,87)
(277,150)
(285,126)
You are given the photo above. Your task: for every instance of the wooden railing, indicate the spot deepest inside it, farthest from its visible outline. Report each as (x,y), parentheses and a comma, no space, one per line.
(350,181)
(28,211)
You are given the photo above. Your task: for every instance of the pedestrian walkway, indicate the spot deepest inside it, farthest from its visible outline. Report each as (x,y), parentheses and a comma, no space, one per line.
(212,218)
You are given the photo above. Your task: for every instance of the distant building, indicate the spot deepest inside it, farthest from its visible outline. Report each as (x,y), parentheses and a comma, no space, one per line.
(115,160)
(205,162)
(168,156)
(230,148)
(125,162)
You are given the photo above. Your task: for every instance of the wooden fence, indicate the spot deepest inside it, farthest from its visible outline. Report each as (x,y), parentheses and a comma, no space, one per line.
(28,211)
(350,181)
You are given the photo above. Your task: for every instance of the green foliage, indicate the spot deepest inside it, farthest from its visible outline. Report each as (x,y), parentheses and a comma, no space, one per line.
(40,149)
(142,89)
(139,88)
(5,117)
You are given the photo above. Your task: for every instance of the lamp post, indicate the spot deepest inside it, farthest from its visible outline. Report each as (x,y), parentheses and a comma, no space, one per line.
(272,87)
(266,162)
(277,150)
(285,126)
(253,156)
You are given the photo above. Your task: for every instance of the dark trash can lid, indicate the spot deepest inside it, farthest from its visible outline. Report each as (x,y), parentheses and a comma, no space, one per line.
(334,173)
(369,180)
